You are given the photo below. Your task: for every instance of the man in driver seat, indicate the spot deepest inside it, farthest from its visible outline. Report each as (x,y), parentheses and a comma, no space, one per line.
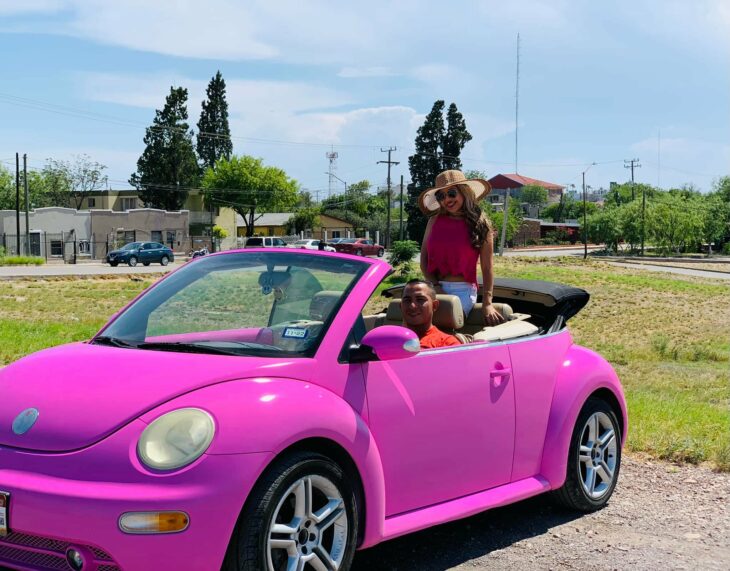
(418,304)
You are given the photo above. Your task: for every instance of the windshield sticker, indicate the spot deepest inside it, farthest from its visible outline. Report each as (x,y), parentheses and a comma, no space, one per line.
(295,333)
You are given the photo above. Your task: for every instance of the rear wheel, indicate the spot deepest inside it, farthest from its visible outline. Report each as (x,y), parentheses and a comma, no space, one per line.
(381,253)
(301,515)
(594,458)
(132,261)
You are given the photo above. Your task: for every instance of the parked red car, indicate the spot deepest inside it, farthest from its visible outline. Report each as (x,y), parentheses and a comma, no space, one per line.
(359,247)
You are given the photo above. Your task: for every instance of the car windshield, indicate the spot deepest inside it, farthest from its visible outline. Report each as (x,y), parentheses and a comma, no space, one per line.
(301,242)
(132,246)
(263,304)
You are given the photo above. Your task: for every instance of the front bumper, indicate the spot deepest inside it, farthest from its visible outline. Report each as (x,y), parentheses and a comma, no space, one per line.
(75,500)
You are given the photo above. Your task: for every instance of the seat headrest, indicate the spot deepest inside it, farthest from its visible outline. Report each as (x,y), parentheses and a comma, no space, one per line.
(322,304)
(447,317)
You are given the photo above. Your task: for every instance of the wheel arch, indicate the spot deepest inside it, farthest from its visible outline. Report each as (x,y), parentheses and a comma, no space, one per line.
(584,374)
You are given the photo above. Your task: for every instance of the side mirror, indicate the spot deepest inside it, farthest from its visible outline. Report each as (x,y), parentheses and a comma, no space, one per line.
(392,342)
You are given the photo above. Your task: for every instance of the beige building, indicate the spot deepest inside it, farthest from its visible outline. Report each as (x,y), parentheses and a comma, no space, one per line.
(111,229)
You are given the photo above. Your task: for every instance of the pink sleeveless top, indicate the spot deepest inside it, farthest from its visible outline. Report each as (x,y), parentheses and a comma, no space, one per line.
(449,248)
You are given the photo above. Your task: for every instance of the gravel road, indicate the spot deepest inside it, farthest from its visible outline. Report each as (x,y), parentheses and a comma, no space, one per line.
(661,516)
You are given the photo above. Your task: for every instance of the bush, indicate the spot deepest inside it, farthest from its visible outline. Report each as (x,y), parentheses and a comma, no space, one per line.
(726,249)
(403,251)
(22,261)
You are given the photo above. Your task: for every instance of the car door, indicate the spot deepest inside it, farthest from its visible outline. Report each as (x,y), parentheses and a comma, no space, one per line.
(146,253)
(444,423)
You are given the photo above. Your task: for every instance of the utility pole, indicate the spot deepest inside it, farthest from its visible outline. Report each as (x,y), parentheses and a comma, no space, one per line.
(389,150)
(632,164)
(27,224)
(400,231)
(17,203)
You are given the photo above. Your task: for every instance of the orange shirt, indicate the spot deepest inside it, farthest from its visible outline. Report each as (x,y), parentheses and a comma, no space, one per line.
(434,337)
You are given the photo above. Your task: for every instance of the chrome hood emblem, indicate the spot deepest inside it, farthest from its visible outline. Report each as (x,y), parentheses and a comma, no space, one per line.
(25,421)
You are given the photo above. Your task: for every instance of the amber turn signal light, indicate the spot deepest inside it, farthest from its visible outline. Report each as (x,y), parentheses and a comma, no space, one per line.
(153,522)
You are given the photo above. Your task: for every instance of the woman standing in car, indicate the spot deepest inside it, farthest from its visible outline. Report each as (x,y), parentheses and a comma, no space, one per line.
(458,235)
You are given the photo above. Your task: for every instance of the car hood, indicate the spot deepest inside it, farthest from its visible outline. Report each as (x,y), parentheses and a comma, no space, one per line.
(85,392)
(121,251)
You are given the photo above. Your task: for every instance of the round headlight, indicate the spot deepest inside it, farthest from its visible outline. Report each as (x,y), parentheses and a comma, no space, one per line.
(176,439)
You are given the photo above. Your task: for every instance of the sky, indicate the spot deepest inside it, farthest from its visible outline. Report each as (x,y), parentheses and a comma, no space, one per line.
(600,82)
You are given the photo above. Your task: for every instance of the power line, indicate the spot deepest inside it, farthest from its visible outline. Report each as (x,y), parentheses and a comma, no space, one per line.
(389,162)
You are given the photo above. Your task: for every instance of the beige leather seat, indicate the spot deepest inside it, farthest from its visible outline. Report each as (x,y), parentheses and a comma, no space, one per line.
(507,330)
(322,304)
(448,317)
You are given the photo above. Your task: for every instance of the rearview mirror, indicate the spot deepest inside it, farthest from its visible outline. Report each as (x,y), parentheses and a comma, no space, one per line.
(392,342)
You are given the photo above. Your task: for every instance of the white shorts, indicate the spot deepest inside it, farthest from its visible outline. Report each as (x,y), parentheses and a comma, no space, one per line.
(466,292)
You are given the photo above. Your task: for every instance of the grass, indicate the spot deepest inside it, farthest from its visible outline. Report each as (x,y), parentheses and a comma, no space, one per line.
(21,261)
(667,337)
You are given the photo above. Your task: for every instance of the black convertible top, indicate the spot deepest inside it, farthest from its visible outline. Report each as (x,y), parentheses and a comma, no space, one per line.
(550,300)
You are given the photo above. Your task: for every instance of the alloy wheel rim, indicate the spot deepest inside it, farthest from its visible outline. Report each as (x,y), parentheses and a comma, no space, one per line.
(309,527)
(597,455)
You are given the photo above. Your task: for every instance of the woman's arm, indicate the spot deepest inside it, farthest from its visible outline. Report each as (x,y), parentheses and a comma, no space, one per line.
(486,260)
(424,253)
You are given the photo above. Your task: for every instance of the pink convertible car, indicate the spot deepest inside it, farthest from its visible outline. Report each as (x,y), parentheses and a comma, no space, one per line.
(260,410)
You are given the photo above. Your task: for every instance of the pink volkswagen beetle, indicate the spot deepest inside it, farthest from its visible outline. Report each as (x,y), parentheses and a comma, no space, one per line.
(261,410)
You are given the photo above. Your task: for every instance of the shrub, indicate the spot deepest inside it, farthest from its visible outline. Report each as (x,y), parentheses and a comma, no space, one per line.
(22,261)
(403,251)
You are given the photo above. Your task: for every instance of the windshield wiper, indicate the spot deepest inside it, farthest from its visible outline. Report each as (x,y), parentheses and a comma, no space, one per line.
(205,347)
(113,341)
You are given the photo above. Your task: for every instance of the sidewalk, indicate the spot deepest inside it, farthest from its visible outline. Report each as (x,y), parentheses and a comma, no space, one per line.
(82,270)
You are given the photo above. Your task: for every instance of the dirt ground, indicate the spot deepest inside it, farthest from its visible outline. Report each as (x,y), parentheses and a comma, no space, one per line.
(661,516)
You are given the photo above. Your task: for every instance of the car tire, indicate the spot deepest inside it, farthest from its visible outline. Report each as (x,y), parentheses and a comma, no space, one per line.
(381,253)
(273,502)
(358,252)
(132,261)
(145,263)
(594,456)
(164,260)
(113,264)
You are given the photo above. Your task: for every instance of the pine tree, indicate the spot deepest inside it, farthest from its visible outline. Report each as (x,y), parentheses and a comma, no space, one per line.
(438,146)
(455,138)
(168,166)
(214,134)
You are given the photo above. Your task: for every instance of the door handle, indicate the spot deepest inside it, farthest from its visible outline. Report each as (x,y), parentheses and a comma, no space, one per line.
(497,376)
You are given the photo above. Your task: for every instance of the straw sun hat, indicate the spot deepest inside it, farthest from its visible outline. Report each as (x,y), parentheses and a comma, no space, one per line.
(479,188)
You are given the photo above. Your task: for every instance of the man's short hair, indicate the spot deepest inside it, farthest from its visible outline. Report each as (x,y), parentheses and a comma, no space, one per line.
(429,286)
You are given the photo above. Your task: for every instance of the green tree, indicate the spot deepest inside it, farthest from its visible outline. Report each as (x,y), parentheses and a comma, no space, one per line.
(168,167)
(715,219)
(455,138)
(514,219)
(675,223)
(214,134)
(534,195)
(249,187)
(722,187)
(302,220)
(623,193)
(438,147)
(604,227)
(71,181)
(7,189)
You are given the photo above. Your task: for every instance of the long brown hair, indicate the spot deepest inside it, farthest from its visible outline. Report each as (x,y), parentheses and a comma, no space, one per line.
(479,225)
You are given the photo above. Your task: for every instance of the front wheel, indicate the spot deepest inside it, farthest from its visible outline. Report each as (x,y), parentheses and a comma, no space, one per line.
(381,253)
(132,261)
(594,458)
(358,253)
(302,514)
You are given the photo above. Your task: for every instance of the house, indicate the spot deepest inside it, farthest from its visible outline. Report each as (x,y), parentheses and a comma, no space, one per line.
(274,224)
(514,183)
(201,219)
